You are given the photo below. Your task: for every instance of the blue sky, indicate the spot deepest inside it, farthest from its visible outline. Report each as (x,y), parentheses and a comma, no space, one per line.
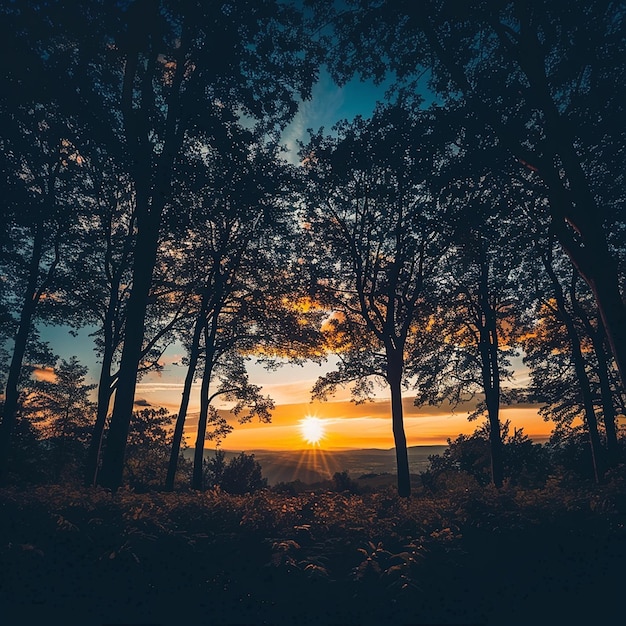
(329,104)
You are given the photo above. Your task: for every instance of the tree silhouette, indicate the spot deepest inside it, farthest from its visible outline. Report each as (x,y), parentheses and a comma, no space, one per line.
(236,244)
(375,243)
(187,75)
(541,76)
(63,412)
(40,161)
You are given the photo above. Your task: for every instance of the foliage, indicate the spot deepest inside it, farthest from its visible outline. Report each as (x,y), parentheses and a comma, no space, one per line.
(343,482)
(62,412)
(426,559)
(148,447)
(525,463)
(242,474)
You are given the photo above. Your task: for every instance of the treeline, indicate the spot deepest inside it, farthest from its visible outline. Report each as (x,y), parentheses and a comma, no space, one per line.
(477,215)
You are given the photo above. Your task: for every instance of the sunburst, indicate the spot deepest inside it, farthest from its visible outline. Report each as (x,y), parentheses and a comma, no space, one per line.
(312,429)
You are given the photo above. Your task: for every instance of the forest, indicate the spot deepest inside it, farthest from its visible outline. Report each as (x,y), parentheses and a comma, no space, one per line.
(473,222)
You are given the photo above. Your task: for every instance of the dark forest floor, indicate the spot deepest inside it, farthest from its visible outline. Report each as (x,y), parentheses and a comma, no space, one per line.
(554,555)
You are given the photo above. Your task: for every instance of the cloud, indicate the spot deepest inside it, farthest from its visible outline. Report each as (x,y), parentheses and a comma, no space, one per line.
(141,402)
(161,387)
(321,110)
(45,373)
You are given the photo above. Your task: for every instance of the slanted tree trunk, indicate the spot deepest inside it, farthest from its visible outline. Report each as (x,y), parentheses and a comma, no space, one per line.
(194,354)
(394,379)
(578,360)
(105,391)
(32,295)
(608,409)
(197,481)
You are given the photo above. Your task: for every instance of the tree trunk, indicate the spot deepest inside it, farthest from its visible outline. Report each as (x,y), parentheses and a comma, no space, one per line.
(578,361)
(194,354)
(490,370)
(198,458)
(143,265)
(104,399)
(394,378)
(491,387)
(608,410)
(11,394)
(590,415)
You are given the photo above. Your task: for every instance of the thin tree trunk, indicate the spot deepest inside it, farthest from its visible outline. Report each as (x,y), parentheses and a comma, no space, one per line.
(105,391)
(394,378)
(578,361)
(490,369)
(194,354)
(608,409)
(11,394)
(104,399)
(198,459)
(491,387)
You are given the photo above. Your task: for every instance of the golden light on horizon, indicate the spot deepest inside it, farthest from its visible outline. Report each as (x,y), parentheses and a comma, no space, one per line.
(312,429)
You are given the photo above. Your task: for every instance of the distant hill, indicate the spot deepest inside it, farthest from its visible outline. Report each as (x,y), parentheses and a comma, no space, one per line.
(314,465)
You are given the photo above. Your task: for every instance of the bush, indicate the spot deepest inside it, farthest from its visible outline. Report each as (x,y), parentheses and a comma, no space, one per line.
(242,475)
(342,482)
(525,463)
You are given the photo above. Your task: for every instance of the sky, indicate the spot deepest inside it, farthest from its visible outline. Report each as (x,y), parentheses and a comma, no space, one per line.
(345,424)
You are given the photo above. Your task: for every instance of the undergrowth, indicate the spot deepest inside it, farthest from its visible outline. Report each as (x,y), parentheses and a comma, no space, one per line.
(468,555)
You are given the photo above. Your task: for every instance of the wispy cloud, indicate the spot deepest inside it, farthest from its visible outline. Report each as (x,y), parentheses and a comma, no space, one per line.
(322,109)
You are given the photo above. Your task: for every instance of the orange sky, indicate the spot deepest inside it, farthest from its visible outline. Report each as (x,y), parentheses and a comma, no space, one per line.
(347,425)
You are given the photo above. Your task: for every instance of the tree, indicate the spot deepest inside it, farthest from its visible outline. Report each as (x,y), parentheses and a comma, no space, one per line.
(63,413)
(562,349)
(475,328)
(374,244)
(26,456)
(38,230)
(243,474)
(188,75)
(541,77)
(237,241)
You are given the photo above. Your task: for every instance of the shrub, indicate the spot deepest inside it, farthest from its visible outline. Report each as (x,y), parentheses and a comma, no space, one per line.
(242,475)
(343,482)
(525,463)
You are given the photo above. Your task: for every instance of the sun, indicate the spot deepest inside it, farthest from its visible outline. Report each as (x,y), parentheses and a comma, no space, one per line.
(312,429)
